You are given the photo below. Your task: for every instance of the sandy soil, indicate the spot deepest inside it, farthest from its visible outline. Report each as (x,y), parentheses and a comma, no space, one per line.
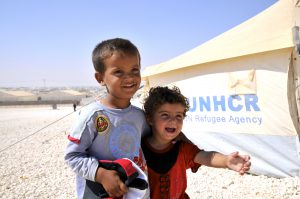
(32,144)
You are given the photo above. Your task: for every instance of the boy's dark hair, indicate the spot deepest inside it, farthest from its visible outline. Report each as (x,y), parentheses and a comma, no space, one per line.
(158,96)
(106,48)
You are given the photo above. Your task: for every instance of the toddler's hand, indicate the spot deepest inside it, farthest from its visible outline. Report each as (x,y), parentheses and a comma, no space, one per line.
(238,163)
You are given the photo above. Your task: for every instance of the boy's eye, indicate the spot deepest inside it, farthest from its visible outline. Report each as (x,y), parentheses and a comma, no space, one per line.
(136,71)
(118,73)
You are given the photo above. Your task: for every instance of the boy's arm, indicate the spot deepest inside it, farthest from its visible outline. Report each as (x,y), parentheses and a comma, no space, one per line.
(80,161)
(81,136)
(233,161)
(111,182)
(88,168)
(85,165)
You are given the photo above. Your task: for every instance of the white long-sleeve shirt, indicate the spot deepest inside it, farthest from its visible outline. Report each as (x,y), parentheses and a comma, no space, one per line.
(102,133)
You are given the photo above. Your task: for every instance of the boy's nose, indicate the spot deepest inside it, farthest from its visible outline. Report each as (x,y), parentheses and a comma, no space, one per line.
(128,76)
(128,79)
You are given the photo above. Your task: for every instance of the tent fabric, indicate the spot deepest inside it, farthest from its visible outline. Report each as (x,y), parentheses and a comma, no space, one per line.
(244,87)
(275,156)
(293,91)
(267,109)
(269,30)
(11,96)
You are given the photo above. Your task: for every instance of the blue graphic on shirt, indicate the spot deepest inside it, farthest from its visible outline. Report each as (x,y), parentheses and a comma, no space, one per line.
(124,141)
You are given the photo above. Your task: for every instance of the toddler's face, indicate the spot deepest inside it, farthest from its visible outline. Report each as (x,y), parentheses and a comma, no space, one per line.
(167,121)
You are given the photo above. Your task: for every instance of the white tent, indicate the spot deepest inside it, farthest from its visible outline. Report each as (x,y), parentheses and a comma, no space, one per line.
(243,88)
(62,95)
(16,96)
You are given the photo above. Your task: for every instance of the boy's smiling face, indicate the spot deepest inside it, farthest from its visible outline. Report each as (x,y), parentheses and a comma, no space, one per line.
(167,122)
(121,78)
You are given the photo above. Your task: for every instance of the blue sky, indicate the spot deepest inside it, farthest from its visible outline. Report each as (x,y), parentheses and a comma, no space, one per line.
(49,43)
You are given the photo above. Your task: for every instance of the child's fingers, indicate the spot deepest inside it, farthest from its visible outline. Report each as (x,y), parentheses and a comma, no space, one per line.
(242,172)
(118,191)
(245,168)
(235,154)
(123,188)
(246,157)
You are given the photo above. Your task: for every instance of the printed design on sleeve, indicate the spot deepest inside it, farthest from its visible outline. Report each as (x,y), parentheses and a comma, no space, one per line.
(124,141)
(102,124)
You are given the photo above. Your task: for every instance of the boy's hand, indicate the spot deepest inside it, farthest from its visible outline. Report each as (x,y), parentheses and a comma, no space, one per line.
(238,163)
(111,182)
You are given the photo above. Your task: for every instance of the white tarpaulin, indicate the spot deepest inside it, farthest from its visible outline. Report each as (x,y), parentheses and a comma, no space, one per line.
(243,90)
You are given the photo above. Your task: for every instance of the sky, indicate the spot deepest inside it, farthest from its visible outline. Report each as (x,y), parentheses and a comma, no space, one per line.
(48,43)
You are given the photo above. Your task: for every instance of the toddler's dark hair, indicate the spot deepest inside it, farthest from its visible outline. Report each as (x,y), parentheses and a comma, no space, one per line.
(106,48)
(158,96)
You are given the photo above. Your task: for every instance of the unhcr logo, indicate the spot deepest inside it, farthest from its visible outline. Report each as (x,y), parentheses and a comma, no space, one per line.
(233,103)
(214,109)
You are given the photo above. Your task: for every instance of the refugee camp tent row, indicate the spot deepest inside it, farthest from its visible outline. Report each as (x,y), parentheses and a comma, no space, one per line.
(62,95)
(54,96)
(16,96)
(243,89)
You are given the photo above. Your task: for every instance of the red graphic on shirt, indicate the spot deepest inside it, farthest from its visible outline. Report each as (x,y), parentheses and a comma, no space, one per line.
(139,160)
(101,123)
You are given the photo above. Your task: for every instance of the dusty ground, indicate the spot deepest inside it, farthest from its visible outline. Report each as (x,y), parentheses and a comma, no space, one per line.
(32,144)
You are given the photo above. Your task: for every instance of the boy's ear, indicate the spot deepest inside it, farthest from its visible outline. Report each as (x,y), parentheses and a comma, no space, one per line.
(99,78)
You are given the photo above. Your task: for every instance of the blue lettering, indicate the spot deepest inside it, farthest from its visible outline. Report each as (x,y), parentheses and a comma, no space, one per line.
(230,103)
(193,108)
(235,103)
(218,103)
(204,103)
(251,101)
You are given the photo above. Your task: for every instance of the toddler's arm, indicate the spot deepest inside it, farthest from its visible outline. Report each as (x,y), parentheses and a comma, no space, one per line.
(233,161)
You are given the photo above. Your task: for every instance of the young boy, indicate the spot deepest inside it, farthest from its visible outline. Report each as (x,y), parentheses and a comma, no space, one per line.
(109,128)
(165,110)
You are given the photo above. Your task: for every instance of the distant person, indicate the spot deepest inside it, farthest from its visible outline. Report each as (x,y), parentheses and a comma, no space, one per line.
(109,128)
(165,110)
(74,106)
(54,106)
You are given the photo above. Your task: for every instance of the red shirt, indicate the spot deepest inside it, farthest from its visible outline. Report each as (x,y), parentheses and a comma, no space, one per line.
(170,182)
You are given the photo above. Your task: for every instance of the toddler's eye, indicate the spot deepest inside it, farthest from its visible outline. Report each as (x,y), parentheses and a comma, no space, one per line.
(164,116)
(179,117)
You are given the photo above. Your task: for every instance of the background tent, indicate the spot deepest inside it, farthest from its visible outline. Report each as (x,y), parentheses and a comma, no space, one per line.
(16,96)
(243,88)
(62,95)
